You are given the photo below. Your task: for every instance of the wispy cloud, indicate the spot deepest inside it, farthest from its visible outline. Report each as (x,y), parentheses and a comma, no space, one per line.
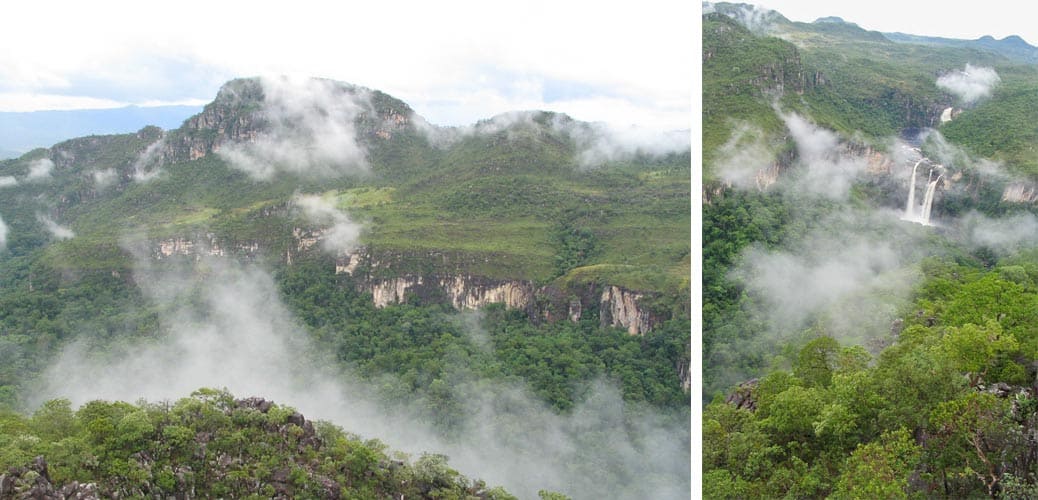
(851,272)
(826,168)
(104,178)
(56,230)
(310,131)
(24,102)
(340,232)
(596,143)
(971,83)
(1004,235)
(742,158)
(40,169)
(601,143)
(8,181)
(148,164)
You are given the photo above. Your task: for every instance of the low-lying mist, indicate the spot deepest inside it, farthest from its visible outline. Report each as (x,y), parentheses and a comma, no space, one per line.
(849,266)
(224,325)
(596,143)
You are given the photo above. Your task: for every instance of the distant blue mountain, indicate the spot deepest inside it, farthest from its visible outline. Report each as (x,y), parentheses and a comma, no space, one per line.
(1012,47)
(21,132)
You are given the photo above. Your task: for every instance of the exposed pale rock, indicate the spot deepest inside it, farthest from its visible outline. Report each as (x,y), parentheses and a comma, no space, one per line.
(1019,192)
(620,308)
(465,293)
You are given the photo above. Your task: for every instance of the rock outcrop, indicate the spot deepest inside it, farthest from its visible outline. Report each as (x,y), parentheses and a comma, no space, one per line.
(743,397)
(622,308)
(240,113)
(33,481)
(440,279)
(1020,192)
(207,245)
(615,306)
(465,292)
(234,116)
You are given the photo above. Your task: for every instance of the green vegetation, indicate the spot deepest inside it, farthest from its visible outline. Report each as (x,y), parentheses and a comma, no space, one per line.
(735,65)
(808,395)
(508,203)
(423,344)
(841,424)
(1002,126)
(211,445)
(858,83)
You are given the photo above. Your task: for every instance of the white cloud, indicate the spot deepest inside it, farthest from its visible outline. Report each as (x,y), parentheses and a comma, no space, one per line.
(104,178)
(852,273)
(340,234)
(970,84)
(754,18)
(148,164)
(24,101)
(7,181)
(827,170)
(1003,235)
(178,102)
(56,230)
(596,143)
(310,131)
(638,57)
(601,143)
(744,156)
(40,169)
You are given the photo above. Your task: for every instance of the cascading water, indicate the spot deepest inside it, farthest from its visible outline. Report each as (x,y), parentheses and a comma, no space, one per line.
(921,214)
(910,205)
(928,199)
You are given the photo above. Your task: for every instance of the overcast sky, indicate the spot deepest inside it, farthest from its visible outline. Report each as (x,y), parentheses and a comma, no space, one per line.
(454,61)
(944,18)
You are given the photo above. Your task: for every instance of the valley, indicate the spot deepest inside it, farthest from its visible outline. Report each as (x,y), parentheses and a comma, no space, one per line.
(869,261)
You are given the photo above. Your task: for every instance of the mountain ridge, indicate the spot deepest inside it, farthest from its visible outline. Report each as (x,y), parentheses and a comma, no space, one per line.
(269,136)
(24,131)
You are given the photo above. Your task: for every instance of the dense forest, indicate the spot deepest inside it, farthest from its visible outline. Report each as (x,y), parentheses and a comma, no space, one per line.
(209,445)
(853,349)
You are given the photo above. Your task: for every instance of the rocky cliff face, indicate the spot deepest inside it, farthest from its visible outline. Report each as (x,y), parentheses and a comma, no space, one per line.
(465,292)
(242,113)
(616,306)
(234,116)
(204,245)
(375,274)
(622,308)
(1020,192)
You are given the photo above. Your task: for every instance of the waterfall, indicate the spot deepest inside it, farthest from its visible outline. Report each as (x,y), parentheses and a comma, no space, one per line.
(921,213)
(928,200)
(910,205)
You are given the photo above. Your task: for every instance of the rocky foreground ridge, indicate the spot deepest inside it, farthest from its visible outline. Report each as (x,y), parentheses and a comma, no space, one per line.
(214,446)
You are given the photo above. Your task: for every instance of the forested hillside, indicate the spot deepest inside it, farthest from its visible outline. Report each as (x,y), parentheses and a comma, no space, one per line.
(870,258)
(513,295)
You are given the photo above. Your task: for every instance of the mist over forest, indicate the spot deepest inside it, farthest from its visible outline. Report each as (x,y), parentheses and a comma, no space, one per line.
(869,261)
(307,289)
